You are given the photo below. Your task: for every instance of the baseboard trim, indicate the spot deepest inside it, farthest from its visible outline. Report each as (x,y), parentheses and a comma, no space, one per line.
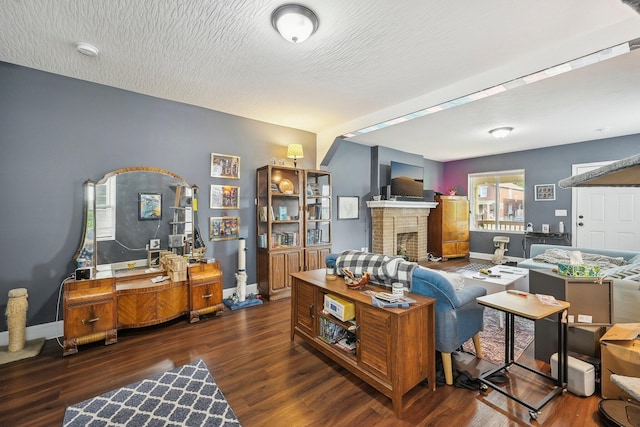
(55,329)
(489,257)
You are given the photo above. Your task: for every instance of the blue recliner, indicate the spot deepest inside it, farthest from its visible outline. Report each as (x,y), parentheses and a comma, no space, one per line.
(458,316)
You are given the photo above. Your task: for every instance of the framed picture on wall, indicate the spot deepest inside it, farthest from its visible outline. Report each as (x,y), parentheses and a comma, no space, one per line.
(224,228)
(224,197)
(149,206)
(225,166)
(348,207)
(545,192)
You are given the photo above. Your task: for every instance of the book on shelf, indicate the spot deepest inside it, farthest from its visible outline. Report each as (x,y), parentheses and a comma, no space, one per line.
(313,189)
(284,239)
(282,213)
(314,236)
(263,214)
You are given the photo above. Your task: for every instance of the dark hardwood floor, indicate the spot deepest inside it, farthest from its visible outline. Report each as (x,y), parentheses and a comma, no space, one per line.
(268,379)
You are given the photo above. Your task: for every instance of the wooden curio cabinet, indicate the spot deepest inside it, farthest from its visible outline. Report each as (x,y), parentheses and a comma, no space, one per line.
(280,243)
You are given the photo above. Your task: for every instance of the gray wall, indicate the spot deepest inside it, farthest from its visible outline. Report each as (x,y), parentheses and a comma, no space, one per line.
(350,167)
(57,132)
(542,166)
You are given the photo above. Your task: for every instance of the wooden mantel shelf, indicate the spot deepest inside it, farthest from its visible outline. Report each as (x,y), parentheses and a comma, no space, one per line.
(400,204)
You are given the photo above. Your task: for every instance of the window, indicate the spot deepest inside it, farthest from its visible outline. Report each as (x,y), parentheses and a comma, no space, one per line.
(106,210)
(497,201)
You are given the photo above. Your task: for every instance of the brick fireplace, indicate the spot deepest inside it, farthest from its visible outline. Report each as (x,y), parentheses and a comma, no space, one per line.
(397,225)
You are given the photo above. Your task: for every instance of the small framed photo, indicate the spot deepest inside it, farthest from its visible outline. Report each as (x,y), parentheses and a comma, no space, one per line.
(154,244)
(348,207)
(225,166)
(224,228)
(545,192)
(224,197)
(149,206)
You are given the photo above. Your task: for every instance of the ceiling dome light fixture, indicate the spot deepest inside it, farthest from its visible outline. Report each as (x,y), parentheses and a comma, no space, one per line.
(500,133)
(294,22)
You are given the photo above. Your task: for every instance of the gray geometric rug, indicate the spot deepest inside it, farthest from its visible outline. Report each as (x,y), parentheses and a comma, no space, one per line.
(184,396)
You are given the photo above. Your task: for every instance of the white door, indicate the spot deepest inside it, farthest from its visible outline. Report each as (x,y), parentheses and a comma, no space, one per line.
(605,217)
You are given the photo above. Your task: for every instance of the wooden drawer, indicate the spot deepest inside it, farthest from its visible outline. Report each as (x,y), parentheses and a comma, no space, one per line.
(89,317)
(206,295)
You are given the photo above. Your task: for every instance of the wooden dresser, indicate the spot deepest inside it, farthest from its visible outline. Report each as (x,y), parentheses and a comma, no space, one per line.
(93,310)
(395,347)
(448,230)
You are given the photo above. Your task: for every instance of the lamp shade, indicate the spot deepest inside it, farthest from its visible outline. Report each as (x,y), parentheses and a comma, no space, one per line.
(500,133)
(294,22)
(294,151)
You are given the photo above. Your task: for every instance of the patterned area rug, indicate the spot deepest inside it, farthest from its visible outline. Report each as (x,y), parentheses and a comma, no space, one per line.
(184,396)
(492,337)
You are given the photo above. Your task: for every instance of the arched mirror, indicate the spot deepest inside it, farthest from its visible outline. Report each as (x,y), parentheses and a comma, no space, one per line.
(139,209)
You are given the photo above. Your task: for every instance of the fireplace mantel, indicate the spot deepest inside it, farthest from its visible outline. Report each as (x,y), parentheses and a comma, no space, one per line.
(400,204)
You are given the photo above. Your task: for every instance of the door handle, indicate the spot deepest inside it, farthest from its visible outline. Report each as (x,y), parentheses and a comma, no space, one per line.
(580,224)
(580,216)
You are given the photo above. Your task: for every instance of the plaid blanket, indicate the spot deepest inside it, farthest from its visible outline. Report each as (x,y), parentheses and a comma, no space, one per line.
(384,269)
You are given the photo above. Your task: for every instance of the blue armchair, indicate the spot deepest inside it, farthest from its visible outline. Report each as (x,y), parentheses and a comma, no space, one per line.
(458,316)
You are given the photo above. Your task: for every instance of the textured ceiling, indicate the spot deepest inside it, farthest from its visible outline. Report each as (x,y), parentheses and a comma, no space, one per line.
(369,61)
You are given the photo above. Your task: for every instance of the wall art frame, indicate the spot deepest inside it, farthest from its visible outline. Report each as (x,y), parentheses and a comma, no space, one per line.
(545,192)
(224,228)
(149,206)
(224,197)
(348,207)
(225,166)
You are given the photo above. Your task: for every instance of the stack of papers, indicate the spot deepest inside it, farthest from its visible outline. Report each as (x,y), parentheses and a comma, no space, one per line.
(385,299)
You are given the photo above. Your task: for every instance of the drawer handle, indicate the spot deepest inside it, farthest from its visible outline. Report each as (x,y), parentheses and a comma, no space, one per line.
(95,319)
(311,307)
(207,296)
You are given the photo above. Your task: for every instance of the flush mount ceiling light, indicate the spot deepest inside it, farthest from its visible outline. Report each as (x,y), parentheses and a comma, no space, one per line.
(500,132)
(294,22)
(87,49)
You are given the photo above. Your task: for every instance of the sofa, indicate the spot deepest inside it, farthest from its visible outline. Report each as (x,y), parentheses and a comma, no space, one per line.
(623,268)
(459,317)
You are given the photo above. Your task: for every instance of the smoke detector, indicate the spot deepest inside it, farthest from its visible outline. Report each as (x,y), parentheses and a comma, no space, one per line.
(87,49)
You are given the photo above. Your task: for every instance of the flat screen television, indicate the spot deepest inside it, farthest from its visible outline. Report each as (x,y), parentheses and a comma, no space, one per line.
(407,181)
